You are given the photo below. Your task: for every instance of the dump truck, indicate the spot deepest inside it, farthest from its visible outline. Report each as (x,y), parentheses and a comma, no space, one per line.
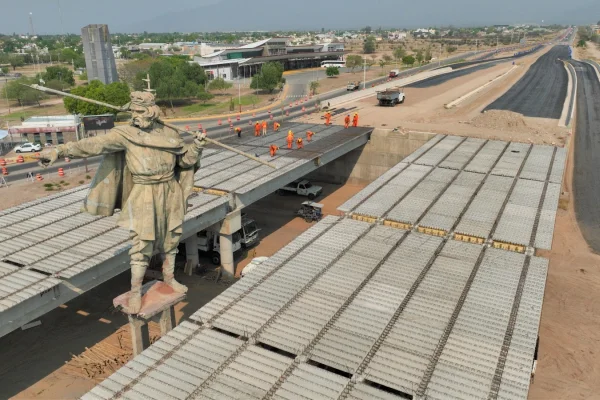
(390,97)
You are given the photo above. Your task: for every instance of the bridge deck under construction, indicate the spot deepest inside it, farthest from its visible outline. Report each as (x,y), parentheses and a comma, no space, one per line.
(369,305)
(475,190)
(51,252)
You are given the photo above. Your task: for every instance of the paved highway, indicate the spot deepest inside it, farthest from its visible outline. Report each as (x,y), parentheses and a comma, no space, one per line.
(586,185)
(541,91)
(438,80)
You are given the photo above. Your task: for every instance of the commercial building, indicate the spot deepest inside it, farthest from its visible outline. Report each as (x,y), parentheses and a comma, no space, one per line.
(245,61)
(99,57)
(51,130)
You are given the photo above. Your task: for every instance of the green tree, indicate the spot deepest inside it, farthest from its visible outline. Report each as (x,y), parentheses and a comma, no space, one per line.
(314,85)
(269,77)
(332,71)
(419,56)
(116,93)
(59,74)
(219,84)
(581,43)
(5,70)
(387,58)
(125,53)
(83,76)
(16,61)
(381,63)
(204,96)
(56,85)
(369,45)
(408,60)
(23,94)
(367,30)
(451,49)
(353,61)
(428,54)
(399,53)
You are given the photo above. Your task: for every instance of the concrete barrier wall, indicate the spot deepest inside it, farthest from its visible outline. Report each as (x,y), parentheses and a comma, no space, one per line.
(362,166)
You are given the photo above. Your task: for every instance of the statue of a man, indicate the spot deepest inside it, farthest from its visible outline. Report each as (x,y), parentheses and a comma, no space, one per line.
(148,173)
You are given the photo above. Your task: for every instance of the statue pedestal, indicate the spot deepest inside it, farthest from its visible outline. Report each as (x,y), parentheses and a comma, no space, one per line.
(158,301)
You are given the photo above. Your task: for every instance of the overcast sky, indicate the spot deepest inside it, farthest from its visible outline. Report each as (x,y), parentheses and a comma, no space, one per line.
(230,15)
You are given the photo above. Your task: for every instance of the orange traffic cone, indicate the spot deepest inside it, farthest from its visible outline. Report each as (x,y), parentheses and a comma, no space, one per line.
(39,178)
(2,162)
(61,172)
(67,159)
(219,122)
(4,171)
(20,159)
(238,117)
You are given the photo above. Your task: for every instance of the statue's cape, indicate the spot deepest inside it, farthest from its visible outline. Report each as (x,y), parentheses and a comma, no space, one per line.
(113,181)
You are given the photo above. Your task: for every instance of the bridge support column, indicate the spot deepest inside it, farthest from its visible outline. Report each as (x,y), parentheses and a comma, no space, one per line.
(231,224)
(191,254)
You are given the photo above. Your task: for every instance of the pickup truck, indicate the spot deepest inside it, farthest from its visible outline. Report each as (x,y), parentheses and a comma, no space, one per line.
(302,188)
(390,97)
(394,73)
(352,86)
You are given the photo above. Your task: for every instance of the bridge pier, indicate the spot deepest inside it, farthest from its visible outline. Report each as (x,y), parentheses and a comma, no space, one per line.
(231,224)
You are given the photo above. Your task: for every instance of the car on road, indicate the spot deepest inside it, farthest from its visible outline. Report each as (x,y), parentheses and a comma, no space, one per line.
(28,148)
(352,86)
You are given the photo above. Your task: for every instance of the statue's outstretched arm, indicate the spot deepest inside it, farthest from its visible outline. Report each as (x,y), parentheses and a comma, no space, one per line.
(109,143)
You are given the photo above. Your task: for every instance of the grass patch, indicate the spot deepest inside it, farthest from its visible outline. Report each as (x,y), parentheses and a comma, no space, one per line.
(81,182)
(48,185)
(198,107)
(88,177)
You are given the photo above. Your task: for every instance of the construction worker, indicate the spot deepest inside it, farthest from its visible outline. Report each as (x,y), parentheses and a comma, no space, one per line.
(309,135)
(347,121)
(257,129)
(327,118)
(264,126)
(276,126)
(299,143)
(355,120)
(290,139)
(273,150)
(238,130)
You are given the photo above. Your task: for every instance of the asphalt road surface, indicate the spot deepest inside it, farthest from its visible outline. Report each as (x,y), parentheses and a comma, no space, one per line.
(586,181)
(541,91)
(438,80)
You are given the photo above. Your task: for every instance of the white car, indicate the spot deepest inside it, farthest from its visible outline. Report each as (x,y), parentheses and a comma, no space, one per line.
(28,148)
(254,264)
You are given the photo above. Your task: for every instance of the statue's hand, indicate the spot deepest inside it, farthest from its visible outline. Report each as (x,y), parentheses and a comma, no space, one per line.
(200,139)
(48,158)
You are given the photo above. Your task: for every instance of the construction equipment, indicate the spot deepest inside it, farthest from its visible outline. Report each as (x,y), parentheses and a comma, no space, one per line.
(311,211)
(125,108)
(390,97)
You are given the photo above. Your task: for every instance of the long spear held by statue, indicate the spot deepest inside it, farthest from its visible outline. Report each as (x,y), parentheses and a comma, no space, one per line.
(125,108)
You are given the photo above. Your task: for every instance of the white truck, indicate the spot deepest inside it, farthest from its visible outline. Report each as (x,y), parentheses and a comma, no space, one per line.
(301,187)
(208,241)
(352,86)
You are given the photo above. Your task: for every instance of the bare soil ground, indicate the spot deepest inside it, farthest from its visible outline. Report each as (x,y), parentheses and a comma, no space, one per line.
(82,342)
(569,363)
(24,191)
(590,52)
(423,109)
(340,81)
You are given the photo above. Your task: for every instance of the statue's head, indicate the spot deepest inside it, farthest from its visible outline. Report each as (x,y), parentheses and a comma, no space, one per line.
(144,109)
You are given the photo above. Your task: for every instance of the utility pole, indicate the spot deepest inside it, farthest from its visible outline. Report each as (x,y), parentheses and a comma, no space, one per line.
(6,94)
(364,73)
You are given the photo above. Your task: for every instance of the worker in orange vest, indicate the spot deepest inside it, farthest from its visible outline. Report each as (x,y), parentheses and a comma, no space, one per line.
(257,129)
(290,139)
(355,120)
(299,143)
(309,135)
(276,126)
(347,121)
(273,149)
(238,130)
(264,126)
(327,118)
